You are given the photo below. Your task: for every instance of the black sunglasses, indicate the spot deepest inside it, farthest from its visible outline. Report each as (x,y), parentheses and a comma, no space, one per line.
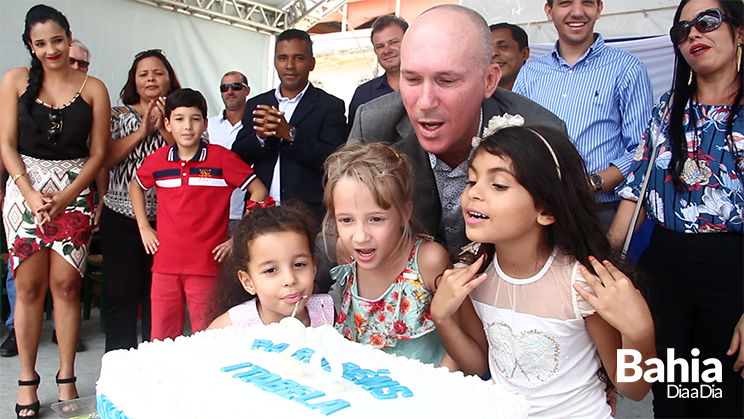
(234,86)
(81,63)
(55,117)
(706,21)
(150,52)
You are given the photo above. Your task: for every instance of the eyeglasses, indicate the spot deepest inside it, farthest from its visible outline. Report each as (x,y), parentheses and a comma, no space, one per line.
(150,52)
(81,63)
(234,86)
(706,21)
(55,117)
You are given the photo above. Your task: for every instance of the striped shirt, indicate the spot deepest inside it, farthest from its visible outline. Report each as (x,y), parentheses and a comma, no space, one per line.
(604,99)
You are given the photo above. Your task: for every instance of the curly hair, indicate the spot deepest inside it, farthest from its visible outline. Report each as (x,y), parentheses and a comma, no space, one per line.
(290,216)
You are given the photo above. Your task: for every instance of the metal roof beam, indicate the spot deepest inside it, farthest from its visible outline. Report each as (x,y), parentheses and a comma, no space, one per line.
(243,14)
(246,14)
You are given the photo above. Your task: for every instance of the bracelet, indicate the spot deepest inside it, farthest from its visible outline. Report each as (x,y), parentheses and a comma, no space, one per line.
(16,177)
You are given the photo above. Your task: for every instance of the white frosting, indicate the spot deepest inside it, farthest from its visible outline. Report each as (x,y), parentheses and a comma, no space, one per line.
(182,379)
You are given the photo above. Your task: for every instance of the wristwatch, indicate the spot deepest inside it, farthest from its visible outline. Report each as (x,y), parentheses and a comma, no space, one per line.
(597,182)
(292,135)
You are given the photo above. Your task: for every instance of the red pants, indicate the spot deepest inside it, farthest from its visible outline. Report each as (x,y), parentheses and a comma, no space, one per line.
(167,296)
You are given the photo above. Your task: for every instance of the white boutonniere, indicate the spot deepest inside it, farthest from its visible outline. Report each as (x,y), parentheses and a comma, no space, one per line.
(496,123)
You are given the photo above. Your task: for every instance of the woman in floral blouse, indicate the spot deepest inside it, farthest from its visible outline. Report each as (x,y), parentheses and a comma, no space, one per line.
(695,195)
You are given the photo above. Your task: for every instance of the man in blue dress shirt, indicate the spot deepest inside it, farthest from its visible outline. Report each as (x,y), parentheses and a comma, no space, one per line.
(602,93)
(387,34)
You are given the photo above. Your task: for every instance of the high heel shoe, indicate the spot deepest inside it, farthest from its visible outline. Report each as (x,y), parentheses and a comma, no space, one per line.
(33,407)
(71,380)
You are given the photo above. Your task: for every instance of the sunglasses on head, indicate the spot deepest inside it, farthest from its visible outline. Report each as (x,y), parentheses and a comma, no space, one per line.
(234,86)
(81,63)
(55,117)
(149,52)
(706,21)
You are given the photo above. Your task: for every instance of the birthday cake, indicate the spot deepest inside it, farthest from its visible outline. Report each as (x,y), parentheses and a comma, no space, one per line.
(275,372)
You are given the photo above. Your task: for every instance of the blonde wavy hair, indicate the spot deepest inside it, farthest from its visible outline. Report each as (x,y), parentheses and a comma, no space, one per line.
(387,174)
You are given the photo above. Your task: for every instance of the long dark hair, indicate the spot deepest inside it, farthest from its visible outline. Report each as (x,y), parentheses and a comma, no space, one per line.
(577,230)
(129,95)
(683,93)
(291,216)
(38,14)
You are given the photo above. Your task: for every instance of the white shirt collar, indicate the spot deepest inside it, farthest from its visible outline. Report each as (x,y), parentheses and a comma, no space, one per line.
(280,98)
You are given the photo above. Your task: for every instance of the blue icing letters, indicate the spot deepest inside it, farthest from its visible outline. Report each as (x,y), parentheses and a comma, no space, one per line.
(276,386)
(236,367)
(300,394)
(261,343)
(379,381)
(254,369)
(303,355)
(277,348)
(263,378)
(391,391)
(268,345)
(331,406)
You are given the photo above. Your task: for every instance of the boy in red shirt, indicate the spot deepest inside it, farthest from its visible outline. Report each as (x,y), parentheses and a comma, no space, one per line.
(194,183)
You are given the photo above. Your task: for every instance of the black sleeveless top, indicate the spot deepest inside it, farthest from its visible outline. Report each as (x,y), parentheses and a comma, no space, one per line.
(72,143)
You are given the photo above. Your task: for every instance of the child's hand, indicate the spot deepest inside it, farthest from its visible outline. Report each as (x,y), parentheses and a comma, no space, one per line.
(223,250)
(455,285)
(149,239)
(618,301)
(737,342)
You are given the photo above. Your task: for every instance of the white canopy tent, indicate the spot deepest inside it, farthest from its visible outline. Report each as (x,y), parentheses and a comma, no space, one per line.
(637,26)
(115,30)
(346,59)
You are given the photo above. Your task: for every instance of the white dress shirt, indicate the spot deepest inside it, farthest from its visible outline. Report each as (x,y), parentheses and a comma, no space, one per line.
(222,132)
(287,106)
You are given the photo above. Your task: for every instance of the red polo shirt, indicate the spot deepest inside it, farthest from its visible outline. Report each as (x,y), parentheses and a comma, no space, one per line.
(193,204)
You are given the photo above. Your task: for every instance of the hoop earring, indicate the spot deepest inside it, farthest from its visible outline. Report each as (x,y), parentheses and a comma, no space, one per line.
(689,81)
(738,57)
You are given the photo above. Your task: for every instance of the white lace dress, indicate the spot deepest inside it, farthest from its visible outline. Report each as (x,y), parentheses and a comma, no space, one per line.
(538,343)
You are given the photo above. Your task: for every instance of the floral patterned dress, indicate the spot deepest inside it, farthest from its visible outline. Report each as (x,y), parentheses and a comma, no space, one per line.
(713,197)
(399,321)
(55,167)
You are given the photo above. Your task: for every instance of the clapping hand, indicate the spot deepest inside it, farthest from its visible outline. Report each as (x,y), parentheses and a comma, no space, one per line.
(270,122)
(159,112)
(149,119)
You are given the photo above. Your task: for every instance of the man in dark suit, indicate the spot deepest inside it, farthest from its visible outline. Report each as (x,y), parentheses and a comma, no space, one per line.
(448,94)
(293,128)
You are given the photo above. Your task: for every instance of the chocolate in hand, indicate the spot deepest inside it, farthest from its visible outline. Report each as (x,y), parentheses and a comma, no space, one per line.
(471,252)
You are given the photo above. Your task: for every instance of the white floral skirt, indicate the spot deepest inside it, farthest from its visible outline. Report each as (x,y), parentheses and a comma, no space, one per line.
(68,233)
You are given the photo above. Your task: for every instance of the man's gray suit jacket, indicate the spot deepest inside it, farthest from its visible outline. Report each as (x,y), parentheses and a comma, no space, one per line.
(385,120)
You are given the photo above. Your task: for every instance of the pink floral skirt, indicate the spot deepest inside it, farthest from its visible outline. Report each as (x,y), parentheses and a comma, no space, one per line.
(67,234)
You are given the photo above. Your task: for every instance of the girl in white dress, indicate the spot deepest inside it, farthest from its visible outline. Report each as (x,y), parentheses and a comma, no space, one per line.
(538,317)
